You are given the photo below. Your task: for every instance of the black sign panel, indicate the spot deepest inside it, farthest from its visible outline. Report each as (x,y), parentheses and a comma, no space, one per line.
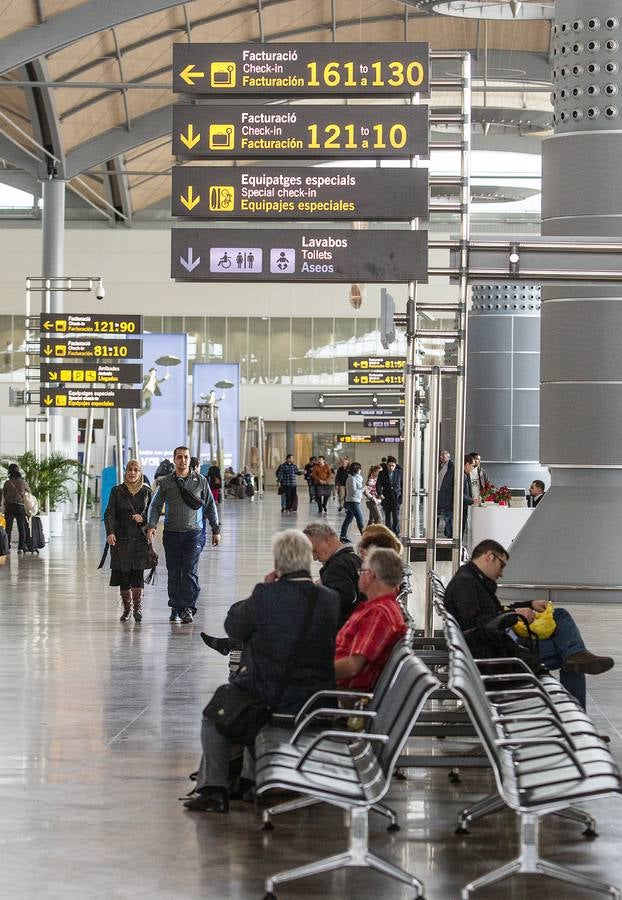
(96,373)
(377,363)
(369,439)
(100,397)
(382,423)
(90,348)
(201,192)
(214,254)
(310,69)
(264,131)
(387,410)
(90,323)
(371,379)
(366,403)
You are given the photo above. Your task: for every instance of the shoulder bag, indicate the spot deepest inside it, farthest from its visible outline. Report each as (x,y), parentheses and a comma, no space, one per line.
(188,497)
(239,714)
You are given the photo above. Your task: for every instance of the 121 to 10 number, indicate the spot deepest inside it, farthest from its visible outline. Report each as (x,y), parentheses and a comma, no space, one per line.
(397,136)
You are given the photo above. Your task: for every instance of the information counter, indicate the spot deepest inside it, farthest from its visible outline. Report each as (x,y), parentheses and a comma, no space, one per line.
(501,523)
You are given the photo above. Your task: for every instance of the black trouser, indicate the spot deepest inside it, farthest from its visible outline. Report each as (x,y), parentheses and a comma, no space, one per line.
(16,512)
(322,500)
(290,493)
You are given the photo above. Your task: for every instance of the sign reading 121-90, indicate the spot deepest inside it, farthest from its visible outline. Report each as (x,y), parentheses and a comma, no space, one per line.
(265,131)
(266,254)
(309,69)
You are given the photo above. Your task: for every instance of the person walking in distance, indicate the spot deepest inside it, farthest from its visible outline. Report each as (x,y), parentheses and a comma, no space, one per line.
(286,474)
(341,476)
(370,492)
(321,477)
(14,495)
(184,494)
(126,520)
(389,487)
(354,495)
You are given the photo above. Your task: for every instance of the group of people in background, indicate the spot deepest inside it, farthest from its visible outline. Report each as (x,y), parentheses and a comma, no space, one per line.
(380,491)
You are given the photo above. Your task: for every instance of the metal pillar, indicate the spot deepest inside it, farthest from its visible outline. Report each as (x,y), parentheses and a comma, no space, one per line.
(106,447)
(410,463)
(134,425)
(84,481)
(52,266)
(119,443)
(430,556)
(567,539)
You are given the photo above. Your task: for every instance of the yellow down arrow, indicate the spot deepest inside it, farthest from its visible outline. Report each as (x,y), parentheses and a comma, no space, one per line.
(48,400)
(48,350)
(190,201)
(192,139)
(189,74)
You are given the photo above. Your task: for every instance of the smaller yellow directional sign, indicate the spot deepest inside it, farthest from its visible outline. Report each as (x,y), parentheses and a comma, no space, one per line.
(376,363)
(90,323)
(89,348)
(188,138)
(93,373)
(189,200)
(370,379)
(95,397)
(369,439)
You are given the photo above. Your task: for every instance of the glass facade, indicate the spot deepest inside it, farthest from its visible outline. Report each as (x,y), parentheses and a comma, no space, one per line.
(270,350)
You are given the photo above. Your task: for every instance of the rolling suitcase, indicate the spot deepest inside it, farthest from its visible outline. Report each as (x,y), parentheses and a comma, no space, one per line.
(35,539)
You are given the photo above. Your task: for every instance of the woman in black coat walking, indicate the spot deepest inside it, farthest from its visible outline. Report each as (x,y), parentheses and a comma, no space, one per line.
(125,520)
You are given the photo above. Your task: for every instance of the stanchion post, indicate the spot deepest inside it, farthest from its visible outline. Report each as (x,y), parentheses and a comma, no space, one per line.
(430,532)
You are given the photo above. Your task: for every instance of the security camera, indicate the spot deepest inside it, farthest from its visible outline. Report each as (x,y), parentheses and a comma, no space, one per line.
(100,291)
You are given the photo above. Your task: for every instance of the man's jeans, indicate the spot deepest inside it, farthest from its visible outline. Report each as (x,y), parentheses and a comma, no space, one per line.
(564,642)
(182,550)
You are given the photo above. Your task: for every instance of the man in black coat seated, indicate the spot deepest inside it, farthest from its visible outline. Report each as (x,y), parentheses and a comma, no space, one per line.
(340,564)
(269,624)
(471,597)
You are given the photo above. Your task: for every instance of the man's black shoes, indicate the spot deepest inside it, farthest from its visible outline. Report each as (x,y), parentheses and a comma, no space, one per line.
(186,617)
(209,799)
(221,645)
(174,617)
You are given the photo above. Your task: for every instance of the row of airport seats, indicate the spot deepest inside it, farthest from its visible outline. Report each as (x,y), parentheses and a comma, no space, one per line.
(542,747)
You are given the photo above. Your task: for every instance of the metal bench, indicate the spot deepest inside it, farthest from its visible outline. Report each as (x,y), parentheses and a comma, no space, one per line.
(545,757)
(356,780)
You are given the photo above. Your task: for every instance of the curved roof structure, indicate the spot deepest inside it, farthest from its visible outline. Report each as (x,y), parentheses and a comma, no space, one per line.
(85,87)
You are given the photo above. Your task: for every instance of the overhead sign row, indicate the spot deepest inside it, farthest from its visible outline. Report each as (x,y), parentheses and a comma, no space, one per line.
(302,69)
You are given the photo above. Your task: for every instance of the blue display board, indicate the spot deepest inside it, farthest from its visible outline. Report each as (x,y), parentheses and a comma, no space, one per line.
(163,417)
(223,381)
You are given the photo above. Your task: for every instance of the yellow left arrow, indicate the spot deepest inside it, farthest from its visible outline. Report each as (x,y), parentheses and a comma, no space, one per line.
(47,325)
(190,201)
(48,400)
(189,74)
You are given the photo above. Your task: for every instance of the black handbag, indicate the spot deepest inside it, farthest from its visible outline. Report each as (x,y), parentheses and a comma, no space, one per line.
(491,641)
(188,497)
(239,714)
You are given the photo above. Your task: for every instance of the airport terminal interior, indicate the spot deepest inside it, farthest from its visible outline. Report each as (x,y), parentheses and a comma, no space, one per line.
(385,231)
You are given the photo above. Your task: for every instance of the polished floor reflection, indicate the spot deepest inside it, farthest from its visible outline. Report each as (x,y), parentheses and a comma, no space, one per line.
(100,725)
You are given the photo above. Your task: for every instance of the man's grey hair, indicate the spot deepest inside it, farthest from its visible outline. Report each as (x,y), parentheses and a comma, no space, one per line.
(292,551)
(319,531)
(386,565)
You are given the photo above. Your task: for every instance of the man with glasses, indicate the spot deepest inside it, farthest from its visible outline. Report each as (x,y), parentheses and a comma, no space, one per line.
(365,642)
(471,597)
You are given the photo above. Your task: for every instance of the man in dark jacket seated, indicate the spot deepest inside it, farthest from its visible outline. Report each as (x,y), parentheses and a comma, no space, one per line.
(269,624)
(471,597)
(340,564)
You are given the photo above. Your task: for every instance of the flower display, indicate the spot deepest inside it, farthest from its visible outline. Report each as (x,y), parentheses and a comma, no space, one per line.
(491,494)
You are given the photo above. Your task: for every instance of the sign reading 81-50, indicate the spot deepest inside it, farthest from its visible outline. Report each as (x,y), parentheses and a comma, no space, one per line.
(311,69)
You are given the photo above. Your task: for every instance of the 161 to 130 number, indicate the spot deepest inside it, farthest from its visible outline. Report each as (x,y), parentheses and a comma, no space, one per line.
(374,75)
(331,137)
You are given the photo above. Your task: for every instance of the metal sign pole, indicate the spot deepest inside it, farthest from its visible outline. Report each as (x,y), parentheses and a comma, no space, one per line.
(119,444)
(430,553)
(106,447)
(84,481)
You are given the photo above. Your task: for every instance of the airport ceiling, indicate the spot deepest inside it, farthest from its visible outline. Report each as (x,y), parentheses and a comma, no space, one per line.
(85,86)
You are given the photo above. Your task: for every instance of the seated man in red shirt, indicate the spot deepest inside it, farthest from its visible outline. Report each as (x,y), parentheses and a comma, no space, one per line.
(365,641)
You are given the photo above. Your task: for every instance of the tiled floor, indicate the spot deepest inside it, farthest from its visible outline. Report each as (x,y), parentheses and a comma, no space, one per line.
(100,725)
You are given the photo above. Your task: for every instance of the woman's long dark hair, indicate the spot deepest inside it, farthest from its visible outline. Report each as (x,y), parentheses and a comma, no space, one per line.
(353,468)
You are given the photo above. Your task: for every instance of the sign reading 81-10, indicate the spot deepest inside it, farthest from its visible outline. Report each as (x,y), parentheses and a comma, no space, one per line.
(311,69)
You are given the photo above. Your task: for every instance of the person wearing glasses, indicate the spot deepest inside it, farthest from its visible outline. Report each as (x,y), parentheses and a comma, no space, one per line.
(471,597)
(365,641)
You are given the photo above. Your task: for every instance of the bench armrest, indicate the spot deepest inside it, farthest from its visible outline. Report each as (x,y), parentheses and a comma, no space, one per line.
(539,718)
(346,735)
(507,660)
(338,713)
(336,693)
(541,695)
(517,743)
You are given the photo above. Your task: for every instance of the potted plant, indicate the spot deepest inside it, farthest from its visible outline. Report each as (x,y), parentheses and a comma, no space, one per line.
(51,480)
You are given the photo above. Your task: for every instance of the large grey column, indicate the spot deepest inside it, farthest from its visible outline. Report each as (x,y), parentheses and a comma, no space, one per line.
(570,538)
(290,432)
(53,236)
(503,412)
